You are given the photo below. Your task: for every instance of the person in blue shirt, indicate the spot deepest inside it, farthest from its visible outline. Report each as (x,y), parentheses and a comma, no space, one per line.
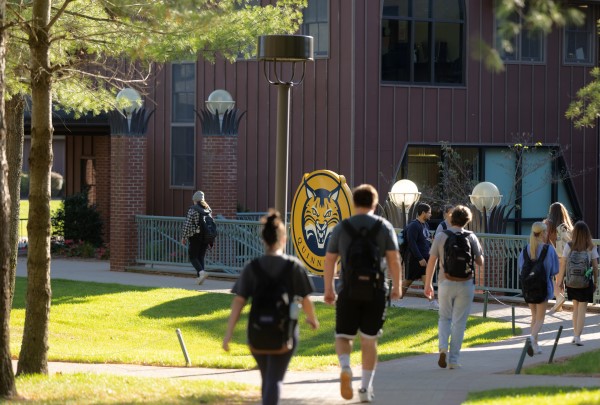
(537,238)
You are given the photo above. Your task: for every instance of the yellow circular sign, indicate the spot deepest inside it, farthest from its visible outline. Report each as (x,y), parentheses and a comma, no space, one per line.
(322,200)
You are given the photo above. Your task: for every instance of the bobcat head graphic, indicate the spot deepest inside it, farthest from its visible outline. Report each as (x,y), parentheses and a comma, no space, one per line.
(321,213)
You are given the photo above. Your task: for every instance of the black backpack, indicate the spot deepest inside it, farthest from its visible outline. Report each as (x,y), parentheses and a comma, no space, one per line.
(403,246)
(533,277)
(362,271)
(270,329)
(207,225)
(458,255)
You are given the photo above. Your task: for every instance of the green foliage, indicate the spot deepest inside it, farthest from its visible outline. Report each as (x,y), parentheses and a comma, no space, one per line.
(121,317)
(535,396)
(77,220)
(584,364)
(585,110)
(111,389)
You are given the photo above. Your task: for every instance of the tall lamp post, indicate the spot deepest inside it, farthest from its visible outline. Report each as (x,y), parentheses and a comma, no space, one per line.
(403,195)
(485,197)
(279,52)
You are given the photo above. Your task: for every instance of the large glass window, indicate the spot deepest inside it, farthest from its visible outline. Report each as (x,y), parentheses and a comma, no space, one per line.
(183,101)
(579,39)
(422,41)
(316,24)
(526,46)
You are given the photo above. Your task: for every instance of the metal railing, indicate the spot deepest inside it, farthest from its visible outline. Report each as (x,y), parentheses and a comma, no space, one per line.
(159,244)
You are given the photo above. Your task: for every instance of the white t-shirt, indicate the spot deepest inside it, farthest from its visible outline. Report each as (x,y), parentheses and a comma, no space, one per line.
(592,254)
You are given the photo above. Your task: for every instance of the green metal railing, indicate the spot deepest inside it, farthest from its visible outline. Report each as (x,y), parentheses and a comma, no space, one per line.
(159,244)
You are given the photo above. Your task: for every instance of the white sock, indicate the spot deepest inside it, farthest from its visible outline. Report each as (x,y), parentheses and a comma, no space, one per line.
(344,360)
(366,379)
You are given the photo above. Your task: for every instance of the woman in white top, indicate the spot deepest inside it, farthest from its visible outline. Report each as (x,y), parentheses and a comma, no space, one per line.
(581,242)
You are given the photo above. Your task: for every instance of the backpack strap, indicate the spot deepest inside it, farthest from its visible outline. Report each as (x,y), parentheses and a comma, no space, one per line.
(544,252)
(260,272)
(372,232)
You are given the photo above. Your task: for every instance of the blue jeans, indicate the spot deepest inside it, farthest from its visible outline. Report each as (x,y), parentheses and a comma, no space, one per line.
(455,298)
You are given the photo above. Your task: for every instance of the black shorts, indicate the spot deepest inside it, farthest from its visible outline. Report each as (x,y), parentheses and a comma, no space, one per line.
(365,316)
(581,294)
(414,271)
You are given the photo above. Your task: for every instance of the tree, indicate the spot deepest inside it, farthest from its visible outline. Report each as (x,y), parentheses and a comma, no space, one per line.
(7,379)
(79,54)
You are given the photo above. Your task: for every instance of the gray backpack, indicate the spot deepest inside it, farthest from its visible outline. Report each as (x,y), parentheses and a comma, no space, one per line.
(577,265)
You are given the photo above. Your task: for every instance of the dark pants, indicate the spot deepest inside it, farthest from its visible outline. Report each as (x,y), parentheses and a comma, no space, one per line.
(272,370)
(196,252)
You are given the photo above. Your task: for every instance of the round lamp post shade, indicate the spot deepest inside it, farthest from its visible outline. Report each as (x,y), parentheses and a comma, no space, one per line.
(486,196)
(285,48)
(130,99)
(404,192)
(219,100)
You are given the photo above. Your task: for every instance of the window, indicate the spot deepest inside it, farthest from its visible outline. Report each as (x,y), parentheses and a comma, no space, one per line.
(527,45)
(422,41)
(316,24)
(183,101)
(579,40)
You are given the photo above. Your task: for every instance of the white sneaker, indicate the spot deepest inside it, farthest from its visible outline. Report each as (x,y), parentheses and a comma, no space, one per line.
(454,366)
(366,394)
(346,383)
(577,341)
(201,277)
(434,305)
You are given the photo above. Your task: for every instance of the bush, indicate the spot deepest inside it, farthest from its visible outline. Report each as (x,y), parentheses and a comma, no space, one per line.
(56,184)
(77,220)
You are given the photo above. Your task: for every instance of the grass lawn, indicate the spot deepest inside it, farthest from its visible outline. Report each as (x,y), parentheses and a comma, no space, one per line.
(586,364)
(24,214)
(109,389)
(535,396)
(110,323)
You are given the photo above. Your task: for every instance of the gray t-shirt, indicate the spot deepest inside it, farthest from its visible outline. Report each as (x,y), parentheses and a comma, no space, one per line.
(340,240)
(437,248)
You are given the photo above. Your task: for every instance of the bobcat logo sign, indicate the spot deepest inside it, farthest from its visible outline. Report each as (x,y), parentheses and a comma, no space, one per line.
(322,200)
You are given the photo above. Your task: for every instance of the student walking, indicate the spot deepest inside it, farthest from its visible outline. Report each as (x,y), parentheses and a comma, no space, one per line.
(419,244)
(458,251)
(537,263)
(579,271)
(361,241)
(445,224)
(559,233)
(192,233)
(269,273)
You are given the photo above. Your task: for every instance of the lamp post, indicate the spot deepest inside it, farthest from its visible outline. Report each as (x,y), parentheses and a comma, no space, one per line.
(403,195)
(131,101)
(277,52)
(485,197)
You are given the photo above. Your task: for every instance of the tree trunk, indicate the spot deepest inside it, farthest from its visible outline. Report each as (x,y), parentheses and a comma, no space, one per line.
(14,153)
(7,378)
(34,349)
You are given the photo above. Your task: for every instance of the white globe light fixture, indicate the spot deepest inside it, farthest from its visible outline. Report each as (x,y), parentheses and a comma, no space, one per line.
(403,195)
(129,100)
(219,101)
(485,196)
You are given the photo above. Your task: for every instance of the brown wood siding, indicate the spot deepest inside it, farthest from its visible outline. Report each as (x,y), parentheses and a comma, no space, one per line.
(344,120)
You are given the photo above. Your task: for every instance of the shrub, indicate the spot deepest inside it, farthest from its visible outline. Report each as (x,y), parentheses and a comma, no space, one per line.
(56,184)
(77,220)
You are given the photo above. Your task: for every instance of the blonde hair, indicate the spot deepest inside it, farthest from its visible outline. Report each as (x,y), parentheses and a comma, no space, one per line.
(536,237)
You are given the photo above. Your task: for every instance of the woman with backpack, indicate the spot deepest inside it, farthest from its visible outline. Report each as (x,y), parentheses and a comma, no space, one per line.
(559,233)
(272,272)
(192,234)
(536,280)
(579,270)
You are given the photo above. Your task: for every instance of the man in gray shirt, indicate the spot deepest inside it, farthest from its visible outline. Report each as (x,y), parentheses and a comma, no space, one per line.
(354,315)
(455,293)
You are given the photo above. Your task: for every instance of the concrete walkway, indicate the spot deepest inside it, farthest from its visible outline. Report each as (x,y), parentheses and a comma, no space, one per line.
(414,380)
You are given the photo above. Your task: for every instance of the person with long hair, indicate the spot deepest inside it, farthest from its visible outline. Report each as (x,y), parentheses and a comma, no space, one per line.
(581,242)
(192,233)
(272,263)
(537,241)
(560,227)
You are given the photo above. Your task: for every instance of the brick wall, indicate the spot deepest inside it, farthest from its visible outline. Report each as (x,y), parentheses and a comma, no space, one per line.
(127,197)
(219,174)
(102,155)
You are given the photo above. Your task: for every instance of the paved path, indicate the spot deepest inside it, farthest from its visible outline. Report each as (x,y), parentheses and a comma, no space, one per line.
(414,380)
